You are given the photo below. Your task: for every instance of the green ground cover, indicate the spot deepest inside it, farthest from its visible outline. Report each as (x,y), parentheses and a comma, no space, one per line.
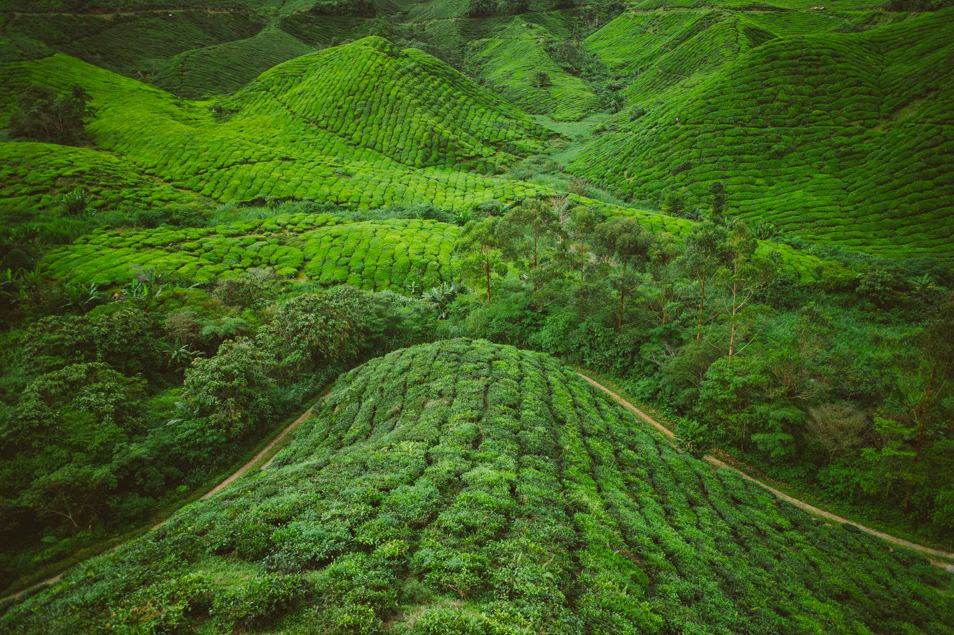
(38,175)
(743,211)
(468,487)
(357,146)
(841,138)
(394,254)
(516,61)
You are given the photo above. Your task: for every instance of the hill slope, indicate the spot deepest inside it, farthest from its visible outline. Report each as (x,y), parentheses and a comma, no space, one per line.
(845,138)
(326,127)
(473,488)
(399,254)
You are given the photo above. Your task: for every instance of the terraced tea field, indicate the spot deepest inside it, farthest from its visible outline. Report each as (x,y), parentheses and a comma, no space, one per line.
(843,138)
(516,61)
(372,148)
(482,489)
(401,255)
(38,175)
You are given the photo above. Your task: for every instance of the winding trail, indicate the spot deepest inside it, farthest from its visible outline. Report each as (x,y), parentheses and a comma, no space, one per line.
(252,462)
(244,469)
(937,557)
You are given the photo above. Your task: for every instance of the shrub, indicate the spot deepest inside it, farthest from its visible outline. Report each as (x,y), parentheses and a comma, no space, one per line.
(233,389)
(259,602)
(42,115)
(75,201)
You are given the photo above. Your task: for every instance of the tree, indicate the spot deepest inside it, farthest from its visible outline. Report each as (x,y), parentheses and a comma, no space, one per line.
(574,256)
(527,228)
(674,205)
(936,374)
(481,8)
(836,427)
(480,245)
(744,274)
(706,249)
(61,437)
(313,329)
(232,390)
(623,240)
(43,115)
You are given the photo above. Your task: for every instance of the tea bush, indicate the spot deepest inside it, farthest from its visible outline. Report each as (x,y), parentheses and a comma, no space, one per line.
(466,487)
(398,254)
(840,138)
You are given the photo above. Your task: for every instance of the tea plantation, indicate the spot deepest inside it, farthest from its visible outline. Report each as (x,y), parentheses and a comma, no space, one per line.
(293,295)
(465,487)
(38,175)
(407,255)
(355,148)
(836,128)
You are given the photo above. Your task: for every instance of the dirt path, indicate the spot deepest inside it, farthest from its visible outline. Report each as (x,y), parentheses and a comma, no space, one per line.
(938,557)
(258,457)
(247,467)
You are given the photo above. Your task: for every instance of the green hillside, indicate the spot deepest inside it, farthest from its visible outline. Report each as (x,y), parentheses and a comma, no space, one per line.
(837,129)
(38,175)
(226,67)
(271,141)
(464,487)
(517,62)
(294,293)
(392,254)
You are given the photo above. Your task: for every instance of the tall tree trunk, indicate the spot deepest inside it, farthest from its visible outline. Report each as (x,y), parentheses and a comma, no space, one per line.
(735,308)
(621,309)
(702,307)
(487,274)
(921,415)
(533,270)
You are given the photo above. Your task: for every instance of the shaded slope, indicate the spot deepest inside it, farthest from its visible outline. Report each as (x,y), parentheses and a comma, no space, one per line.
(134,44)
(224,68)
(844,138)
(476,488)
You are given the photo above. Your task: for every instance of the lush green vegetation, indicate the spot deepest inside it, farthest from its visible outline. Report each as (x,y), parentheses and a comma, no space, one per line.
(741,214)
(842,384)
(388,254)
(465,487)
(833,127)
(126,400)
(266,141)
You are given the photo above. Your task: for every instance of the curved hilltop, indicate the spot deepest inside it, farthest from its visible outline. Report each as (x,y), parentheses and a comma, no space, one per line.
(361,125)
(406,105)
(466,487)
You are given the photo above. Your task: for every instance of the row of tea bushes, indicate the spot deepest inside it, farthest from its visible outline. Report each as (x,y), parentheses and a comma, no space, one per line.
(467,487)
(395,254)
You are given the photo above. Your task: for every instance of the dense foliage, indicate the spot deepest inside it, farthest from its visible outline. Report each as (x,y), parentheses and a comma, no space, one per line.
(846,389)
(42,115)
(465,487)
(740,215)
(159,388)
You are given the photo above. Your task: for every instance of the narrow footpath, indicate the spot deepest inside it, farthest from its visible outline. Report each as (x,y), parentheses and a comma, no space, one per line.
(244,469)
(938,557)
